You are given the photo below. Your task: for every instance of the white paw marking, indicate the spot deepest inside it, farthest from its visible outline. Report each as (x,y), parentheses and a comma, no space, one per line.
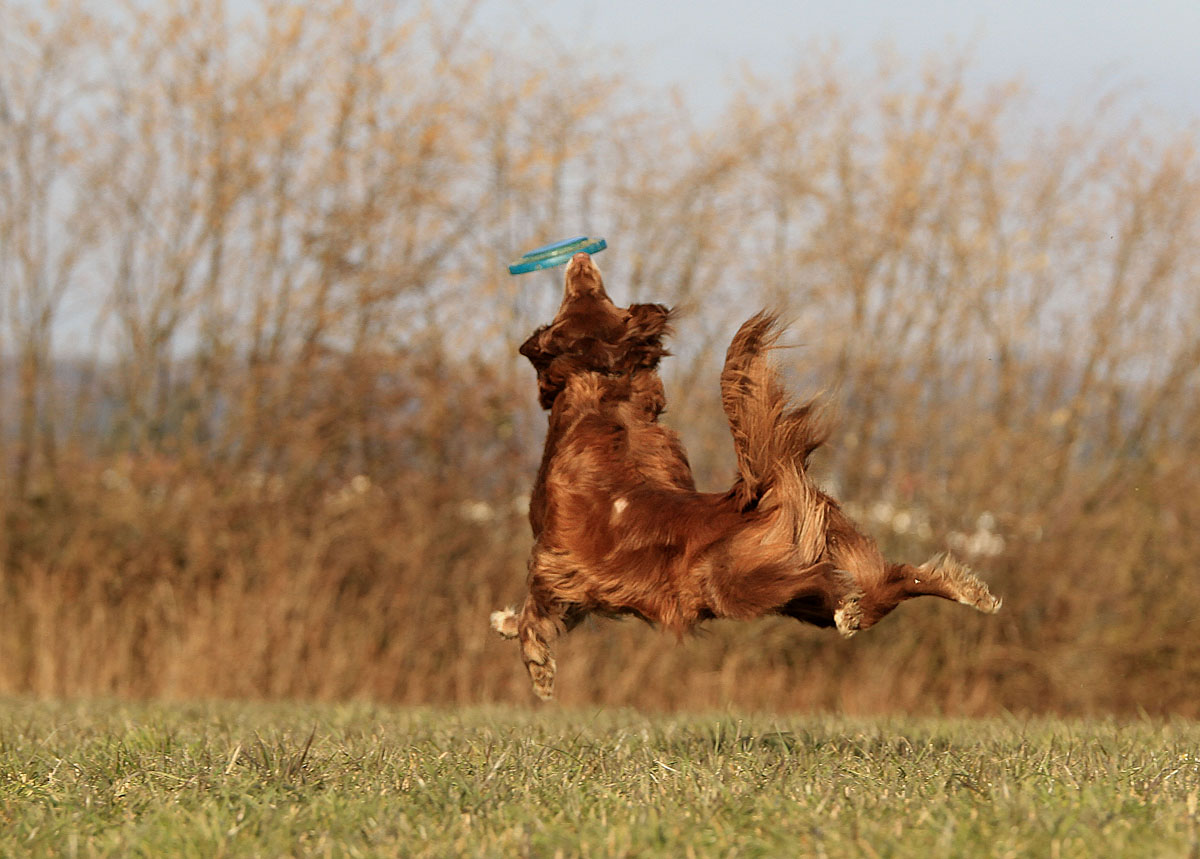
(845,621)
(505,622)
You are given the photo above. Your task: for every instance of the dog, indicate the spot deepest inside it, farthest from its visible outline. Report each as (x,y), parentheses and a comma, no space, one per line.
(620,529)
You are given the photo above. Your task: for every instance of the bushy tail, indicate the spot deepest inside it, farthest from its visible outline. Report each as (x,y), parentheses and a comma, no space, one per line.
(772,436)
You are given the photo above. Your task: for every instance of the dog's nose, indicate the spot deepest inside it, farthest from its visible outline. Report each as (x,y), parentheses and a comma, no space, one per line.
(583,277)
(581,260)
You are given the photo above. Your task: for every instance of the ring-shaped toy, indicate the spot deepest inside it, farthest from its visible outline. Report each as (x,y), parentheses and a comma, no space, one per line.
(556,253)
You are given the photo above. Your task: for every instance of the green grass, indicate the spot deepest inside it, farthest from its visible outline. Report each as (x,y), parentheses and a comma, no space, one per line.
(276,780)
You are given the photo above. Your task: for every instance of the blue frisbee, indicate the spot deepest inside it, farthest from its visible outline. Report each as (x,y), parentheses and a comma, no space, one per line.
(557,253)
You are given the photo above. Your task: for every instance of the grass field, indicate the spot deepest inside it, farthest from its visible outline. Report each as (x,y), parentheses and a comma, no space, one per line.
(315,780)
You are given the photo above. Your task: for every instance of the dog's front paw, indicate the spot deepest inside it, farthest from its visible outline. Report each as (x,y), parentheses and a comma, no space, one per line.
(505,623)
(848,615)
(543,679)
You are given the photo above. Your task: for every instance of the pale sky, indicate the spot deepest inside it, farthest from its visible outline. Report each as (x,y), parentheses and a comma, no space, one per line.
(1065,50)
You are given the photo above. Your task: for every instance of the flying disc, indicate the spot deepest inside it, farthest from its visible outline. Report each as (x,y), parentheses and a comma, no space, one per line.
(556,253)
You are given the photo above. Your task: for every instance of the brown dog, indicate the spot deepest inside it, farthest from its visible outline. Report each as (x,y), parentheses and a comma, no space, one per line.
(619,527)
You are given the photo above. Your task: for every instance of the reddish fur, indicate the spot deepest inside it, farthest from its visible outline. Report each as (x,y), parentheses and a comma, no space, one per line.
(619,527)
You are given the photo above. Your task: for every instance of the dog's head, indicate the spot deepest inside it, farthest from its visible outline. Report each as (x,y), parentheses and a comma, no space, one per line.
(591,334)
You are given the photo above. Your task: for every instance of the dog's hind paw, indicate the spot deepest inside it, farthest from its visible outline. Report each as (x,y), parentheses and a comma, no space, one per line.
(960,583)
(848,616)
(505,623)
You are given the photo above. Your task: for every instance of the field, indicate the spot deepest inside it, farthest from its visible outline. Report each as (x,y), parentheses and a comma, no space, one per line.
(224,779)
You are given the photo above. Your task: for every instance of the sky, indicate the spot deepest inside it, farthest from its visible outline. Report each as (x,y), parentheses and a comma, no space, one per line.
(1065,51)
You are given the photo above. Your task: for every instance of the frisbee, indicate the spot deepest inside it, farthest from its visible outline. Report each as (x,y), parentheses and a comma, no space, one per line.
(556,253)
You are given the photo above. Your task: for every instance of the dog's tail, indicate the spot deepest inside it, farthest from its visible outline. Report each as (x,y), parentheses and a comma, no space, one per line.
(772,436)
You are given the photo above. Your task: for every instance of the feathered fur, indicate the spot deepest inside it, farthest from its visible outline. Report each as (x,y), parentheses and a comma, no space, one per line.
(619,527)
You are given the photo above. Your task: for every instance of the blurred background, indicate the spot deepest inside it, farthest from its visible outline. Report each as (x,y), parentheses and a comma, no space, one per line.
(263,428)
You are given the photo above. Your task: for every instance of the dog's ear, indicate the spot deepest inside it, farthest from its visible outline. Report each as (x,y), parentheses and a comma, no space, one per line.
(541,351)
(556,353)
(644,332)
(649,321)
(555,341)
(571,346)
(536,348)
